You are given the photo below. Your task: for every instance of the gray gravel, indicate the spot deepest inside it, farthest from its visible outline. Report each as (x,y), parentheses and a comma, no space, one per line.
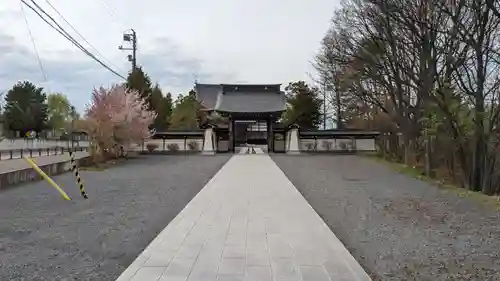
(398,228)
(43,237)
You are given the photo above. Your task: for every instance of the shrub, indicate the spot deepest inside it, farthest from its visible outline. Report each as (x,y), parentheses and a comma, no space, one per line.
(309,146)
(343,146)
(327,145)
(193,145)
(151,147)
(173,147)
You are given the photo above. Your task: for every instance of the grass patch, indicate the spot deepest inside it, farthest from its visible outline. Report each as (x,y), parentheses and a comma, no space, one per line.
(492,201)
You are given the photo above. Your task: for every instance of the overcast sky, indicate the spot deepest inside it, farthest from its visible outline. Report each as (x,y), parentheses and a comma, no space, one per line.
(217,41)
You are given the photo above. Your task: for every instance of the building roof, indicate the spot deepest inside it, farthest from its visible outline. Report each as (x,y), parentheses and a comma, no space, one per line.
(207,94)
(250,102)
(241,98)
(173,134)
(341,133)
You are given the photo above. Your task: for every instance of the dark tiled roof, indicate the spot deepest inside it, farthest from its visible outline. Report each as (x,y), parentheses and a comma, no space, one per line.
(207,94)
(250,102)
(241,98)
(177,134)
(251,88)
(339,133)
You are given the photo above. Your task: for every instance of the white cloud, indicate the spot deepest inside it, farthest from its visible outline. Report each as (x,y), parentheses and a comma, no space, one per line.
(219,41)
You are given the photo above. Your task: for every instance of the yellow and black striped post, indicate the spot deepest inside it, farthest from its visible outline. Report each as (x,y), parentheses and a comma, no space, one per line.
(74,168)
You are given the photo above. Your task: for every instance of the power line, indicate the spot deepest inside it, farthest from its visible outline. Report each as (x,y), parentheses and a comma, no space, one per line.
(78,33)
(66,35)
(63,32)
(40,64)
(36,53)
(112,14)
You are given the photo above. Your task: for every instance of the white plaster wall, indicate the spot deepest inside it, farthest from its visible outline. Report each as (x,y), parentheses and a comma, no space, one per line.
(361,144)
(305,143)
(179,142)
(365,145)
(336,144)
(343,144)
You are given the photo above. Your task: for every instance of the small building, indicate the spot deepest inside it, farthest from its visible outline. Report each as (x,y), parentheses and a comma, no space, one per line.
(252,110)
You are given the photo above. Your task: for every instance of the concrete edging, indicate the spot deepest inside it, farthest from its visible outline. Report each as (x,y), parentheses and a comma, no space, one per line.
(16,177)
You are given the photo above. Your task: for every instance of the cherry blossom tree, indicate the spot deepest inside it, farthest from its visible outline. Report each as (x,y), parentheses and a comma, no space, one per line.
(116,118)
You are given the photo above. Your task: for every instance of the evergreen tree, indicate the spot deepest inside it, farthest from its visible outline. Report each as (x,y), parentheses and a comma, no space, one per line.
(303,105)
(187,113)
(138,80)
(25,108)
(162,105)
(153,96)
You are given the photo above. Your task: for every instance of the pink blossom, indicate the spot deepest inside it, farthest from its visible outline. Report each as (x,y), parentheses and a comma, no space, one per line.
(118,116)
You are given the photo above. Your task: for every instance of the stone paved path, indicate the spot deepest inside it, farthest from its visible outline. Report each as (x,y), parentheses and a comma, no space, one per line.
(248,223)
(248,150)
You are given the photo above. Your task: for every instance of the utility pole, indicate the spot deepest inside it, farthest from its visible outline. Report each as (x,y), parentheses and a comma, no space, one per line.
(130,36)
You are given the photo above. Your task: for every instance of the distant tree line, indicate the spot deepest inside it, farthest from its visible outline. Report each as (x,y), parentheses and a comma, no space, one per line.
(28,108)
(304,106)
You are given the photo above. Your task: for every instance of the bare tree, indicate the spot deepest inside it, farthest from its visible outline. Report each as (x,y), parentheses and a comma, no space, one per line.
(432,68)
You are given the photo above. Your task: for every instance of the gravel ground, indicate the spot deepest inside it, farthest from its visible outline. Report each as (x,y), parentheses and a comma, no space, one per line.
(398,228)
(43,237)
